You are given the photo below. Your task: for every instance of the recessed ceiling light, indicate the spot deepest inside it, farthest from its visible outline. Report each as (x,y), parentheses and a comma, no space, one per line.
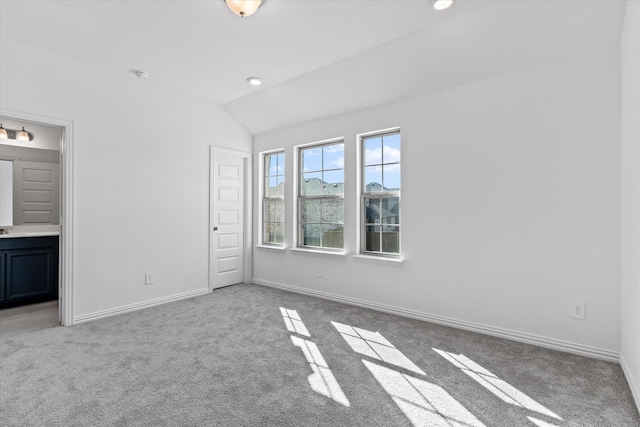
(442,4)
(255,81)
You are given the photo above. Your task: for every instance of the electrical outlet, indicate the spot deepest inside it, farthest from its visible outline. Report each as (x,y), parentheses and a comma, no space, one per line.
(578,310)
(319,272)
(148,278)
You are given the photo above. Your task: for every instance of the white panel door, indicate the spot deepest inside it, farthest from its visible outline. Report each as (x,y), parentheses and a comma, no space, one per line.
(227,219)
(36,193)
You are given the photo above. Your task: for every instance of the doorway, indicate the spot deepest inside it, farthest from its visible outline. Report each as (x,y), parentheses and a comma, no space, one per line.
(65,199)
(229,213)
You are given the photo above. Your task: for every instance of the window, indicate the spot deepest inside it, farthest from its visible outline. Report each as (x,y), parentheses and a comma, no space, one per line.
(380,168)
(273,199)
(321,196)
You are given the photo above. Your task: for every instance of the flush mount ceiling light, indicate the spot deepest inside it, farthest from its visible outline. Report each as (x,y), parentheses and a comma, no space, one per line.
(243,8)
(255,81)
(442,4)
(3,132)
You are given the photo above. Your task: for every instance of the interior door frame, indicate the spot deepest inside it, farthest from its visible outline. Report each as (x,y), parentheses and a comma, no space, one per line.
(65,278)
(247,211)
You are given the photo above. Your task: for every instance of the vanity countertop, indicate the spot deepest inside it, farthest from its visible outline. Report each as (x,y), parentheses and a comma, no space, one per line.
(31,231)
(32,234)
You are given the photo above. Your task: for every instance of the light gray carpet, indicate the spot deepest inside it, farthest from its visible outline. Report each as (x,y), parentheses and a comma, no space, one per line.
(228,359)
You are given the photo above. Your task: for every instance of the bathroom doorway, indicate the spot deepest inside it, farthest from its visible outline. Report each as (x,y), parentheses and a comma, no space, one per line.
(43,207)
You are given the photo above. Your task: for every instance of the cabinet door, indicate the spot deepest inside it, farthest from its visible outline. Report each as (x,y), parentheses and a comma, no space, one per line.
(30,273)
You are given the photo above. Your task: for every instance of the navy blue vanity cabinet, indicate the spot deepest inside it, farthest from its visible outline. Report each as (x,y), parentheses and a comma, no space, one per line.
(28,270)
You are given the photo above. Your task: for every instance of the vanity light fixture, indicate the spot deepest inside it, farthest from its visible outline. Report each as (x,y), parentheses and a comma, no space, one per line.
(442,4)
(255,81)
(18,135)
(23,136)
(243,8)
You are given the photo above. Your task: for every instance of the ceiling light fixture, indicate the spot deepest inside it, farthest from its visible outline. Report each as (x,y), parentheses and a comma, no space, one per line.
(255,81)
(243,8)
(3,132)
(442,4)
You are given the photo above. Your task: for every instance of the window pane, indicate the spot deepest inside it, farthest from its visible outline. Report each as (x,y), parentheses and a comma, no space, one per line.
(372,237)
(390,210)
(390,239)
(269,232)
(372,179)
(311,159)
(333,211)
(281,164)
(311,234)
(272,186)
(332,236)
(333,156)
(372,151)
(391,177)
(274,211)
(311,184)
(333,182)
(311,210)
(280,186)
(271,164)
(372,211)
(391,150)
(279,237)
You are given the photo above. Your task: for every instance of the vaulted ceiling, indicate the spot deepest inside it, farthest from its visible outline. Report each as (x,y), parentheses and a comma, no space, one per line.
(318,58)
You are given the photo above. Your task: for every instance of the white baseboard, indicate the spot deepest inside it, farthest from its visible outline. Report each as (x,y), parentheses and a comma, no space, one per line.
(137,306)
(635,387)
(551,343)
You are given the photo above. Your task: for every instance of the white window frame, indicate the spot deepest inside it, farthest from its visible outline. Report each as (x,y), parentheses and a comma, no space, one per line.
(364,195)
(265,197)
(300,198)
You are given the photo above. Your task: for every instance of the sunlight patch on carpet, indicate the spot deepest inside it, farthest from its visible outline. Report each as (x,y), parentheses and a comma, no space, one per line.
(374,345)
(322,380)
(495,385)
(423,403)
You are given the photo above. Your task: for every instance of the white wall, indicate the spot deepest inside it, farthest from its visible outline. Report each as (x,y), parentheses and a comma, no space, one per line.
(630,189)
(141,183)
(510,204)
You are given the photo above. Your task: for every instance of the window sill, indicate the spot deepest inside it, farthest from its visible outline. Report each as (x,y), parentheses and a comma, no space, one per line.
(319,252)
(274,247)
(381,259)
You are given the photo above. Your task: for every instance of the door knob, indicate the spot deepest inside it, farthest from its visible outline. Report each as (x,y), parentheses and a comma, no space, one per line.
(215,228)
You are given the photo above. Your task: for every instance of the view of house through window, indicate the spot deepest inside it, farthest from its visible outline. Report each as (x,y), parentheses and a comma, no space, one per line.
(273,200)
(321,196)
(381,193)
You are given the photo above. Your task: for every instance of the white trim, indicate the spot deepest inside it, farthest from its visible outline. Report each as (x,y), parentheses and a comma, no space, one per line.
(261,186)
(138,306)
(319,251)
(66,206)
(248,210)
(274,247)
(569,347)
(378,258)
(635,388)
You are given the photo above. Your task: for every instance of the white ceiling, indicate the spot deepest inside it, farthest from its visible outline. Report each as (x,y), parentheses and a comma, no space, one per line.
(318,58)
